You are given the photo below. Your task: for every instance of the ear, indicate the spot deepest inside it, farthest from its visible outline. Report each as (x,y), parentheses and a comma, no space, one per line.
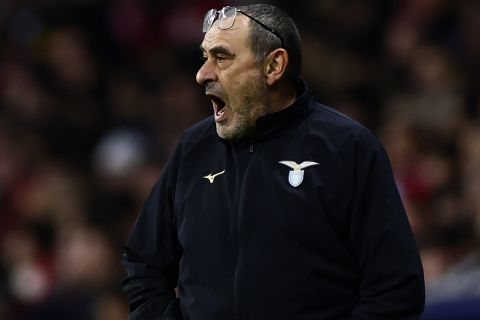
(275,66)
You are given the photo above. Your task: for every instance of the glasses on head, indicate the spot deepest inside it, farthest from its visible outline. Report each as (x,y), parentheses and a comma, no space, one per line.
(226,19)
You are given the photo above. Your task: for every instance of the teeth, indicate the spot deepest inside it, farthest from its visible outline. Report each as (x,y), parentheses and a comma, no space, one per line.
(216,107)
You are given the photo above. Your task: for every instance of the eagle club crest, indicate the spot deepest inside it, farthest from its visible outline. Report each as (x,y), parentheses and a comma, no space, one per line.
(295,176)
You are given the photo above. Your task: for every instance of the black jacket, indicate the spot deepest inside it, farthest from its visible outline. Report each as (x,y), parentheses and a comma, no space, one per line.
(252,245)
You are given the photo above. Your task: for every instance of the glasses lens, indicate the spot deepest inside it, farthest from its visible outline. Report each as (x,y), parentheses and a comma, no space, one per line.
(209,19)
(227,17)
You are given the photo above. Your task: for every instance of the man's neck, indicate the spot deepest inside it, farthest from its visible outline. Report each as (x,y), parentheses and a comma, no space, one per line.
(282,98)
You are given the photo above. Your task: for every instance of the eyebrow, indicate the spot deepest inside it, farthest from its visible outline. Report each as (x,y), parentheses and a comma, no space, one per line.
(218,50)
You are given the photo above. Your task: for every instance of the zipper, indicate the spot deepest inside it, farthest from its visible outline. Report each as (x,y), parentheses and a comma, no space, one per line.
(236,303)
(240,242)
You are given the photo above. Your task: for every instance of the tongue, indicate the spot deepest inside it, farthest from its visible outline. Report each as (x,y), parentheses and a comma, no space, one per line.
(220,114)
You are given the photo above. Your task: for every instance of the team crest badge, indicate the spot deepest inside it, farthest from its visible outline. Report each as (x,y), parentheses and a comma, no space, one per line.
(295,176)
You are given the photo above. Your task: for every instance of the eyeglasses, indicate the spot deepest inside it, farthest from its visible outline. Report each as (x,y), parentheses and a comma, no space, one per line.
(226,19)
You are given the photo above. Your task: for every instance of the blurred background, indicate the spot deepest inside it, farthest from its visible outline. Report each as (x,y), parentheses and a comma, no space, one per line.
(95,94)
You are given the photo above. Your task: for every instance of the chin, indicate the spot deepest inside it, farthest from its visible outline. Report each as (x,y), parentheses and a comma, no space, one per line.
(232,133)
(225,134)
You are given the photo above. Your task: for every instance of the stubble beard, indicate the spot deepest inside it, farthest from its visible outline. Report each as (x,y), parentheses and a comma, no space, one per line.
(249,108)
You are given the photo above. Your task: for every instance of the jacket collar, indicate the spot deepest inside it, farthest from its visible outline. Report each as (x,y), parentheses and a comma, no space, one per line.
(276,123)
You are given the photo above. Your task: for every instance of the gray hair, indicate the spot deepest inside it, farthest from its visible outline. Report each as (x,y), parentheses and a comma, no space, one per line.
(263,41)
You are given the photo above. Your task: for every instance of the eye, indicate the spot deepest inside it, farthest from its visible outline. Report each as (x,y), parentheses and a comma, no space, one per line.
(220,59)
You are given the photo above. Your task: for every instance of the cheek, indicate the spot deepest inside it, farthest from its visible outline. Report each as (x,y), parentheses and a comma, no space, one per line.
(243,82)
(241,75)
(239,85)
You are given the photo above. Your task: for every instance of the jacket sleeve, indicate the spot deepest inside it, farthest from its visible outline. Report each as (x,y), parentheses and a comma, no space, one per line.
(392,284)
(152,253)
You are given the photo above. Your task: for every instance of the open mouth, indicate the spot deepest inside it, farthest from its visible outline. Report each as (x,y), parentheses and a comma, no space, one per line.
(218,107)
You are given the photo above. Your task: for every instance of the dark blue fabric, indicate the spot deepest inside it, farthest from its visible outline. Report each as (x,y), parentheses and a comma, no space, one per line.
(467,308)
(252,246)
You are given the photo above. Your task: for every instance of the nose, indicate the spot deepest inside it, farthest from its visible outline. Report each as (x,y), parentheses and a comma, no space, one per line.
(206,73)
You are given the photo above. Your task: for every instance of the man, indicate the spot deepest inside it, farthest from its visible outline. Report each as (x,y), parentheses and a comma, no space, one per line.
(276,207)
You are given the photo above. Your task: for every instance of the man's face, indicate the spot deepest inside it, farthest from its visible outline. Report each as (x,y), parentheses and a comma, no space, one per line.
(233,80)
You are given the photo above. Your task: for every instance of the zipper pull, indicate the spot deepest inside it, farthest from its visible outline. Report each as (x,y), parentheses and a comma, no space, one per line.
(251,148)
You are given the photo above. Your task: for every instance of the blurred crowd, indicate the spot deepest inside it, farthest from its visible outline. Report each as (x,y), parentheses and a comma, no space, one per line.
(95,94)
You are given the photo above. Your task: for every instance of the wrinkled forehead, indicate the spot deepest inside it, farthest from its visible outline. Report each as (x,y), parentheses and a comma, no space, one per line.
(236,36)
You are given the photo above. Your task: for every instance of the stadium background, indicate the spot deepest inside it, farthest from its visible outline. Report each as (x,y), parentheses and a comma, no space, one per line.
(95,94)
